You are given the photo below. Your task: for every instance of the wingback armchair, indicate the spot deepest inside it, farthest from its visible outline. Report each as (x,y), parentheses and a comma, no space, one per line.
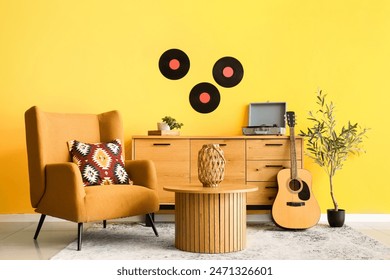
(56,183)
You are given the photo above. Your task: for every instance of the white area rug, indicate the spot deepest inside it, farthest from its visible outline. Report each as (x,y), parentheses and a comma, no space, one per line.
(265,241)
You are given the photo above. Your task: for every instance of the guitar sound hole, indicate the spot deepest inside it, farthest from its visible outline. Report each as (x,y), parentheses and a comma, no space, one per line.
(295,185)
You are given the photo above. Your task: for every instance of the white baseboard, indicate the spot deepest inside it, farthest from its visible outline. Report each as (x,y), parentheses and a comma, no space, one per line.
(364,218)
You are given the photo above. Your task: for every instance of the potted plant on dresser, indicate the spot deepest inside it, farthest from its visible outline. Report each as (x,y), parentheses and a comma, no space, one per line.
(172,122)
(168,126)
(330,148)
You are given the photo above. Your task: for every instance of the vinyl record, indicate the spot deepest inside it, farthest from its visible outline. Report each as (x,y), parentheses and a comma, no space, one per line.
(228,72)
(174,64)
(204,98)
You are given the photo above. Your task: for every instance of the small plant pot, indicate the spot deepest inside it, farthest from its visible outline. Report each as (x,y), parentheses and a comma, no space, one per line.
(163,126)
(336,218)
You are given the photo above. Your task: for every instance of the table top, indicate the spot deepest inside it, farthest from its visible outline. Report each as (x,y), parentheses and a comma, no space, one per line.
(197,188)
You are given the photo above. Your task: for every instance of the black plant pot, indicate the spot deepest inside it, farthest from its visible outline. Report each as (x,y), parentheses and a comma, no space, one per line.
(336,218)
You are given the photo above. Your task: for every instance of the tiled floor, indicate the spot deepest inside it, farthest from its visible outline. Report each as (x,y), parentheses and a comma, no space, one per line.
(16,238)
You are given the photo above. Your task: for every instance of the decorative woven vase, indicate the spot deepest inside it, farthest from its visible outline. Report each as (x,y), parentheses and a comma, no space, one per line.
(211,165)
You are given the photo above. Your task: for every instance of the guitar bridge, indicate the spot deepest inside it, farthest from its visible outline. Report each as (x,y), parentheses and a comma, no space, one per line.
(295,204)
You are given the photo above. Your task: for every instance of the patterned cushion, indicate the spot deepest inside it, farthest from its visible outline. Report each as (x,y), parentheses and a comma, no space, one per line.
(99,163)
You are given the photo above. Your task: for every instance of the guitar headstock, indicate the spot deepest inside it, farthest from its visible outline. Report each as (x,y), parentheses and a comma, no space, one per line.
(290,116)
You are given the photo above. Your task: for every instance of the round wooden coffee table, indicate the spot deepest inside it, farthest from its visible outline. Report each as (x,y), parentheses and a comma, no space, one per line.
(210,220)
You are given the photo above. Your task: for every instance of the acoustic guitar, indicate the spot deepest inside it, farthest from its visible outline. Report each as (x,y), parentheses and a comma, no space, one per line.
(295,206)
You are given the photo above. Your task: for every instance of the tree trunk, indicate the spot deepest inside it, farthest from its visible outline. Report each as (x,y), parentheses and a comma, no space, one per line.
(336,206)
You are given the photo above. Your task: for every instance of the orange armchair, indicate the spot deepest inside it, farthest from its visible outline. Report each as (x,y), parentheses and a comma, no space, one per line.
(56,184)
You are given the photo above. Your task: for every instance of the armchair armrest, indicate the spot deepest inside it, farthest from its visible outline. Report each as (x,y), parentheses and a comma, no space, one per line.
(142,172)
(65,193)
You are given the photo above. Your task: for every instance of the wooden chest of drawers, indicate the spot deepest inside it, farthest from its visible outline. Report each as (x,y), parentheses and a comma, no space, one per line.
(251,160)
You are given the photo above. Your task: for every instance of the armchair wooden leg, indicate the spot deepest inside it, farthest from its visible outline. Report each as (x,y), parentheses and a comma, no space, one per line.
(150,221)
(79,235)
(104,223)
(41,220)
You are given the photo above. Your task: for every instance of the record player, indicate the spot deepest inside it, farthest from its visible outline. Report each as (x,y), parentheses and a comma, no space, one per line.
(267,118)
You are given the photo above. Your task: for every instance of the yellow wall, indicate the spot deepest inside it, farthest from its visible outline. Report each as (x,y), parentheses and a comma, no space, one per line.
(92,56)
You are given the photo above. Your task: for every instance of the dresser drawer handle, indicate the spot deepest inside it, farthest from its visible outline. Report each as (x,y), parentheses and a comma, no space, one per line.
(274,166)
(271,187)
(223,145)
(161,144)
(274,144)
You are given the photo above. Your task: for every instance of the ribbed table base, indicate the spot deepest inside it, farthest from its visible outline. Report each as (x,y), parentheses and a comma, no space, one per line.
(210,223)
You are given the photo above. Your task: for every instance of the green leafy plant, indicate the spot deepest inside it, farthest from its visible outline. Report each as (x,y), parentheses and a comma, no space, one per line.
(328,147)
(172,123)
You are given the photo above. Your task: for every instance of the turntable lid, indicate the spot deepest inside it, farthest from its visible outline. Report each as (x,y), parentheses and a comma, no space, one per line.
(267,114)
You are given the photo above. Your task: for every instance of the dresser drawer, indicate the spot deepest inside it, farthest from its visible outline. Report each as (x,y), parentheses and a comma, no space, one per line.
(162,149)
(266,170)
(275,149)
(265,195)
(172,160)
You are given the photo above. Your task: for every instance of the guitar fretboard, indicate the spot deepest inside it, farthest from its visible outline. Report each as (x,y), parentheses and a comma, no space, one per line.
(293,155)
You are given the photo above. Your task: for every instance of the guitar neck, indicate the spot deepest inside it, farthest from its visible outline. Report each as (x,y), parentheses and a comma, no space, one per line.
(293,155)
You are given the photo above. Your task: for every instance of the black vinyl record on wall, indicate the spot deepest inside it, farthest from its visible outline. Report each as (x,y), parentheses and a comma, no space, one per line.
(174,64)
(228,72)
(204,98)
